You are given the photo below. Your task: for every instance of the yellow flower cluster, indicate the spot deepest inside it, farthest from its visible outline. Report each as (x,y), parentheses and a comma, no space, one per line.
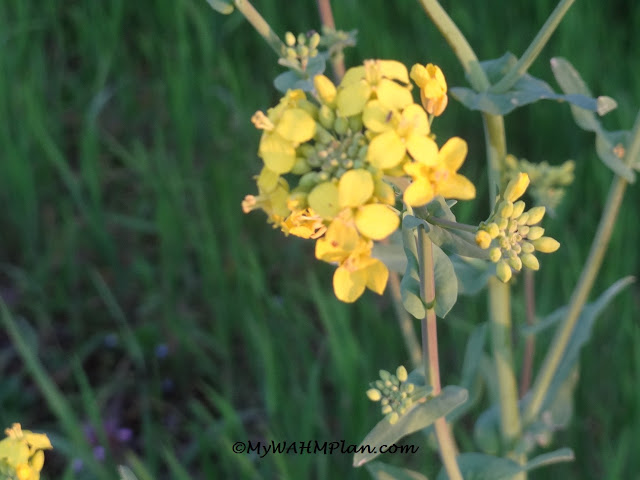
(22,452)
(341,147)
(513,234)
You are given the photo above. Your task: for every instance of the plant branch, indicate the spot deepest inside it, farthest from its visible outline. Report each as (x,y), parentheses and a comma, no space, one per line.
(260,24)
(405,321)
(326,16)
(532,52)
(444,435)
(530,342)
(585,283)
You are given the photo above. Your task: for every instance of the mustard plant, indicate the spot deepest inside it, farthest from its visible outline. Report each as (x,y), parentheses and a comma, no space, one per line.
(354,162)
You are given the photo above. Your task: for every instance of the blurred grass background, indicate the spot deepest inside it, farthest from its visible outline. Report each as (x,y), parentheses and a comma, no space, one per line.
(168,325)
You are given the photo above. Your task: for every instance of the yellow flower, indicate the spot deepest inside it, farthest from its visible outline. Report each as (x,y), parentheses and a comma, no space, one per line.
(272,198)
(357,270)
(433,87)
(439,176)
(398,134)
(304,223)
(285,127)
(374,78)
(22,451)
(516,187)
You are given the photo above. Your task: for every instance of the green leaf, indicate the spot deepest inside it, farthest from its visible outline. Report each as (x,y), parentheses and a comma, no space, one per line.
(126,473)
(571,82)
(457,242)
(478,466)
(486,432)
(410,283)
(382,471)
(445,281)
(420,416)
(472,273)
(606,142)
(581,335)
(392,256)
(297,80)
(221,6)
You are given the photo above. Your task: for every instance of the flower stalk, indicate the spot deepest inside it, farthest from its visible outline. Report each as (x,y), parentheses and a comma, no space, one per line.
(585,282)
(444,435)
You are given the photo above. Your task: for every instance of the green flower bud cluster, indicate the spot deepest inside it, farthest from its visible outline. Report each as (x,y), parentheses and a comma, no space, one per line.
(513,235)
(548,182)
(299,49)
(395,394)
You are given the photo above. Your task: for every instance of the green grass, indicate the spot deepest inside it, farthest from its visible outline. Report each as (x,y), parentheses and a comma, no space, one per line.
(126,151)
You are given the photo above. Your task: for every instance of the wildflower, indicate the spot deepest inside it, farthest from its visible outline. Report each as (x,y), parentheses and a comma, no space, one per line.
(514,233)
(438,175)
(22,451)
(376,78)
(399,134)
(433,87)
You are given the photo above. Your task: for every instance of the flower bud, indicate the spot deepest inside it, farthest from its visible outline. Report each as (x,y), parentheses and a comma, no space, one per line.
(290,39)
(493,230)
(503,271)
(505,208)
(483,239)
(535,215)
(314,40)
(302,39)
(515,263)
(495,254)
(374,394)
(402,374)
(387,409)
(355,123)
(527,247)
(516,187)
(341,125)
(546,244)
(502,223)
(535,233)
(522,219)
(325,88)
(518,208)
(530,261)
(393,418)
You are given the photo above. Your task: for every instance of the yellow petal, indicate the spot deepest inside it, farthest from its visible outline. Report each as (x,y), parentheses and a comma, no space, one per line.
(394,70)
(376,221)
(453,153)
(348,286)
(352,99)
(386,150)
(37,461)
(267,180)
(37,441)
(338,242)
(325,88)
(296,125)
(323,199)
(377,276)
(278,154)
(384,192)
(393,95)
(415,116)
(419,75)
(457,186)
(423,149)
(355,188)
(376,117)
(418,193)
(353,75)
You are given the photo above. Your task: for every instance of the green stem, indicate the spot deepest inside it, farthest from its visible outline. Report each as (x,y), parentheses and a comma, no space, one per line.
(500,320)
(260,24)
(531,53)
(458,44)
(530,342)
(585,283)
(443,222)
(499,303)
(326,16)
(444,435)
